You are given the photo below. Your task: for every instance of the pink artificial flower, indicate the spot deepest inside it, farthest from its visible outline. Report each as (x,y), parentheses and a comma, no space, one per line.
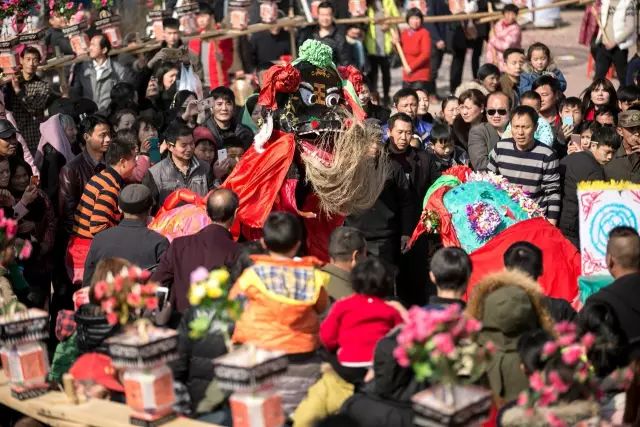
(572,354)
(25,250)
(144,275)
(117,284)
(547,396)
(490,347)
(151,303)
(443,343)
(52,4)
(108,304)
(565,328)
(100,289)
(472,325)
(588,340)
(566,339)
(11,228)
(134,300)
(136,289)
(523,398)
(554,421)
(69,5)
(200,274)
(401,357)
(557,383)
(112,318)
(536,382)
(549,348)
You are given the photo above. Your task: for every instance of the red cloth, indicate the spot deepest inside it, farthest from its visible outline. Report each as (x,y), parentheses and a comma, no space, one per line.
(319,229)
(417,49)
(354,325)
(258,177)
(76,255)
(222,49)
(561,260)
(278,79)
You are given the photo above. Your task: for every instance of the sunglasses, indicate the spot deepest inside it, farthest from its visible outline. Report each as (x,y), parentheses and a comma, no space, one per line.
(500,112)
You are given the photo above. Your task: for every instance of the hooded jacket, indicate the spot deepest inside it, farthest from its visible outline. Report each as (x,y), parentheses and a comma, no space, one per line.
(385,401)
(529,76)
(508,304)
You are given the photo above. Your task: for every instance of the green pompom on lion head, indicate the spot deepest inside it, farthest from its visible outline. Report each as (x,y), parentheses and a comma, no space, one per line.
(316,53)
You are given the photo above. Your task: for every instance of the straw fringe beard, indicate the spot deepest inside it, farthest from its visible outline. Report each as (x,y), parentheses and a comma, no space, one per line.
(354,180)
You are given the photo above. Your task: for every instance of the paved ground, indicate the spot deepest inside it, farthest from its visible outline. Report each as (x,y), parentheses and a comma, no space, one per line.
(570,56)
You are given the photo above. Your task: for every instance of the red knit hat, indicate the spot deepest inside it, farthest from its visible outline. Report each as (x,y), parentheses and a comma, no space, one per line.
(98,368)
(203,132)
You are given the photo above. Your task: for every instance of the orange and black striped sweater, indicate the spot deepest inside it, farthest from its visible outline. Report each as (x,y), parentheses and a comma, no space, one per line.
(98,207)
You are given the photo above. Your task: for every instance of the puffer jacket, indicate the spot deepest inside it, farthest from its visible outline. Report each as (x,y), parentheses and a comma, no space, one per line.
(193,366)
(281,314)
(324,398)
(529,76)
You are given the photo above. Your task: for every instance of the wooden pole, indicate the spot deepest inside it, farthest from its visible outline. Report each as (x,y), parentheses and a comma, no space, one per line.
(292,35)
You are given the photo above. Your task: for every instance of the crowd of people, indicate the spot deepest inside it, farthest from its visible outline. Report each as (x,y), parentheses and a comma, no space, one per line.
(83,170)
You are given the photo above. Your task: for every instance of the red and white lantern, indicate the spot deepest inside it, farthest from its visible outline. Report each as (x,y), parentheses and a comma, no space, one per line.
(268,11)
(357,8)
(421,5)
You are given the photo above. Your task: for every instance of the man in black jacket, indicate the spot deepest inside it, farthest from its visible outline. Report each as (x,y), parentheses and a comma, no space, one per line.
(327,32)
(222,123)
(583,166)
(131,239)
(623,262)
(421,171)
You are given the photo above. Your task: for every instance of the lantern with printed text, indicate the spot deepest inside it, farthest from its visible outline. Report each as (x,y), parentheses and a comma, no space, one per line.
(421,5)
(357,7)
(314,8)
(33,35)
(186,12)
(269,11)
(157,29)
(239,14)
(24,358)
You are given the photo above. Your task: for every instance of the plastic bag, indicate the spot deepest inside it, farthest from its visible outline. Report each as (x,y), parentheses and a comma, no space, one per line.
(190,81)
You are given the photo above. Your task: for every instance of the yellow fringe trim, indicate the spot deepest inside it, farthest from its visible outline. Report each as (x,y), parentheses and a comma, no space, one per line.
(607,185)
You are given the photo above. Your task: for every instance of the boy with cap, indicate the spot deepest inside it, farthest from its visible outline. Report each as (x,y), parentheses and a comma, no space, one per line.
(131,239)
(625,165)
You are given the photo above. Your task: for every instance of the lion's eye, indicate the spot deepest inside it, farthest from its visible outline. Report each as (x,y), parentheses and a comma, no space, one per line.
(308,97)
(332,100)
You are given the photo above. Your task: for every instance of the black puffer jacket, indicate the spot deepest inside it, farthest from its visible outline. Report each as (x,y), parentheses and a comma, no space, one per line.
(386,401)
(194,366)
(92,329)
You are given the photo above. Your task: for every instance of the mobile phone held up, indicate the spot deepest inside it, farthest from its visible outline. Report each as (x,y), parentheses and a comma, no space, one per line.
(567,121)
(205,104)
(154,150)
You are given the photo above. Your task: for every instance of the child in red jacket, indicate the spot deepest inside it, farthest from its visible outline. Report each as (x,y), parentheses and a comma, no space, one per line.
(356,323)
(416,44)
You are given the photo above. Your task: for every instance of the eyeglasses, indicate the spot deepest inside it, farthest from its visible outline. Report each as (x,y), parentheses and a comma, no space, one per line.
(500,112)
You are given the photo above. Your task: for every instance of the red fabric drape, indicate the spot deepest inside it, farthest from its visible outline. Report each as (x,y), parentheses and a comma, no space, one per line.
(223,50)
(561,260)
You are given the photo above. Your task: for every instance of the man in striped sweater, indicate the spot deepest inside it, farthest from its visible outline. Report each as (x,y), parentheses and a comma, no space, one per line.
(98,207)
(529,163)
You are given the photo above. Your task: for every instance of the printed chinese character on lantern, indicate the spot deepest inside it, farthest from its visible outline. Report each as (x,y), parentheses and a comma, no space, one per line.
(268,11)
(357,7)
(239,14)
(421,5)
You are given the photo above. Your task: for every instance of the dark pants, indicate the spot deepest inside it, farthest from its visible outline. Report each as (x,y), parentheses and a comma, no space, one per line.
(457,65)
(604,57)
(436,61)
(476,46)
(380,62)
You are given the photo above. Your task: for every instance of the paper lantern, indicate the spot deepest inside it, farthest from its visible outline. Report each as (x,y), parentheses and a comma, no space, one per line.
(451,405)
(314,8)
(186,13)
(268,11)
(418,4)
(149,392)
(157,29)
(110,27)
(260,409)
(357,7)
(78,38)
(9,61)
(239,14)
(24,358)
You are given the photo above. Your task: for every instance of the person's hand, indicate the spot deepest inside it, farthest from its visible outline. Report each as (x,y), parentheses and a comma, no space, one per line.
(163,147)
(145,146)
(404,240)
(29,195)
(190,111)
(221,168)
(567,130)
(6,198)
(408,70)
(152,88)
(384,27)
(140,63)
(158,57)
(572,148)
(440,45)
(185,58)
(15,84)
(552,221)
(610,45)
(635,149)
(26,227)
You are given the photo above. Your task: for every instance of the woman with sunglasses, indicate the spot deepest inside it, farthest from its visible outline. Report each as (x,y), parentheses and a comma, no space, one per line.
(484,136)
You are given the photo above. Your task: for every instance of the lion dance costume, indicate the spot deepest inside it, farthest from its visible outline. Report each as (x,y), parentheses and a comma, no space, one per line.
(310,156)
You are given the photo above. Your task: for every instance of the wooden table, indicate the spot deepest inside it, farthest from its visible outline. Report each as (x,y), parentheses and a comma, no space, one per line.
(54,409)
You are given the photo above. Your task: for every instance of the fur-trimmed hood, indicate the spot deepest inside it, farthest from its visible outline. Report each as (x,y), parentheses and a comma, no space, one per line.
(495,281)
(551,68)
